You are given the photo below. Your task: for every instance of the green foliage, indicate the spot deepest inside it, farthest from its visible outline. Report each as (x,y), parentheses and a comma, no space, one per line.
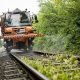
(60,21)
(56,67)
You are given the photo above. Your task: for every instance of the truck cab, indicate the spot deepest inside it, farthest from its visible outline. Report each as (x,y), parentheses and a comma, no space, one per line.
(17,30)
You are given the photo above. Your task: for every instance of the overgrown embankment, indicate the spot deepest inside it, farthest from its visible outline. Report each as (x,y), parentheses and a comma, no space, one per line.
(59,20)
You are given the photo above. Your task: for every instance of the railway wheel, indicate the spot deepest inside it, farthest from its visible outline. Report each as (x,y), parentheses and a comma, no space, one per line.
(8,45)
(8,49)
(30,44)
(30,47)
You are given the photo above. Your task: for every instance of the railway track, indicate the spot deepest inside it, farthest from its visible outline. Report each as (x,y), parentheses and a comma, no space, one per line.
(12,68)
(26,72)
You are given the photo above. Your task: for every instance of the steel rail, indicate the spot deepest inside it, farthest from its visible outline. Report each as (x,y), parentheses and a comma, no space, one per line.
(37,75)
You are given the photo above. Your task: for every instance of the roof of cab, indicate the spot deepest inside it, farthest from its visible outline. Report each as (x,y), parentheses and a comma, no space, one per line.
(16,10)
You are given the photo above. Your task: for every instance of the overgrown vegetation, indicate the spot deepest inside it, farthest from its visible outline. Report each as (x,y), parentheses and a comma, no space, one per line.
(56,67)
(59,20)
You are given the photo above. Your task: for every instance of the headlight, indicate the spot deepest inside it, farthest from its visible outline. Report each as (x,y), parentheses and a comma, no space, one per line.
(28,29)
(8,29)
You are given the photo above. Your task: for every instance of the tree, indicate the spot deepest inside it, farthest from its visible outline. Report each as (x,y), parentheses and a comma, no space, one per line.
(59,20)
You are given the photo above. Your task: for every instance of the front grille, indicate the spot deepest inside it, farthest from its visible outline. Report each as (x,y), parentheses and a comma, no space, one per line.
(19,30)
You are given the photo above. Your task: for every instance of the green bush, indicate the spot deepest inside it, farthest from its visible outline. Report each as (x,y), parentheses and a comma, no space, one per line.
(59,20)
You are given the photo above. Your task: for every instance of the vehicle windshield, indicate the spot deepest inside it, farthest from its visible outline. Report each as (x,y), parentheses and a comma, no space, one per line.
(20,19)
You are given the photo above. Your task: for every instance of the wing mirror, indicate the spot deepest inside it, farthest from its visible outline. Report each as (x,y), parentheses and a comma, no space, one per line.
(0,21)
(34,18)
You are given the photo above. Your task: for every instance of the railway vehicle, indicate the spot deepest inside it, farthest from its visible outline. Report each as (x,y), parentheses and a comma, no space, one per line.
(17,30)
